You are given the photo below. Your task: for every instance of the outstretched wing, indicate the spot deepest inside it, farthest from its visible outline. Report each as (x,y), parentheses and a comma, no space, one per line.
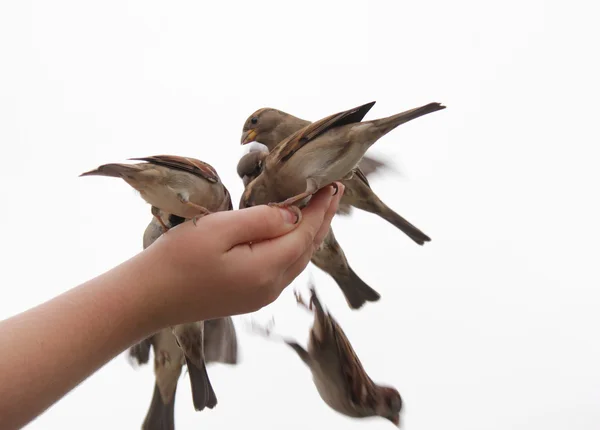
(288,147)
(360,387)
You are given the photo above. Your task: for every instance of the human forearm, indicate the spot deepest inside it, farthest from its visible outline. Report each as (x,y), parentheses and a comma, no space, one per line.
(53,347)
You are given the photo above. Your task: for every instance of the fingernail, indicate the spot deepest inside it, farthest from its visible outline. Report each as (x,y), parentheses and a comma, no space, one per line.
(340,189)
(288,216)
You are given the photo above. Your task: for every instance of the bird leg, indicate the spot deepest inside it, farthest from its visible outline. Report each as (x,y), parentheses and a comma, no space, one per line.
(156,212)
(311,188)
(201,209)
(163,225)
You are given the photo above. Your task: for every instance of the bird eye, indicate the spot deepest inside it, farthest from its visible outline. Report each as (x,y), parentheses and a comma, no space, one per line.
(254,120)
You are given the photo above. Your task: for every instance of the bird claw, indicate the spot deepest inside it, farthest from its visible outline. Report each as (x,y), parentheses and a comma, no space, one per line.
(197,217)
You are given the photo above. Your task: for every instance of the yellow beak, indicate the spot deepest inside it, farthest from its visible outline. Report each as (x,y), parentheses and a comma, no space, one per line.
(249,136)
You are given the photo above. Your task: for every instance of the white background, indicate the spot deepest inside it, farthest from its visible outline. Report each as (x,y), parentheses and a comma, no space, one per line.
(492,325)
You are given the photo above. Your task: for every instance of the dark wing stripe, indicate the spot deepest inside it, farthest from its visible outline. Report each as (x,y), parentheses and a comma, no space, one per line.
(288,147)
(358,382)
(185,164)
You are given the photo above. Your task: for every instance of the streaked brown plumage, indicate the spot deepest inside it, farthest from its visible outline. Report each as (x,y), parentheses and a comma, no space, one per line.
(183,186)
(329,257)
(337,372)
(271,126)
(195,344)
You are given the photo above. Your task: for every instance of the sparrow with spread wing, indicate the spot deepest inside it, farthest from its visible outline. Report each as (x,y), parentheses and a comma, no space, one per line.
(272,127)
(338,374)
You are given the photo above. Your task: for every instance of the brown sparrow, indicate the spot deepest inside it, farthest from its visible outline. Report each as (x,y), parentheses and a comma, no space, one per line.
(329,257)
(194,344)
(271,127)
(182,186)
(338,374)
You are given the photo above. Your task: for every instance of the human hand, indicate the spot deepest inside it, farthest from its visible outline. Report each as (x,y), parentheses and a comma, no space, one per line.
(235,262)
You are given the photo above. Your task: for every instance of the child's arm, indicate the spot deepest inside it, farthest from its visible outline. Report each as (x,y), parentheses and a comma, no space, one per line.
(191,273)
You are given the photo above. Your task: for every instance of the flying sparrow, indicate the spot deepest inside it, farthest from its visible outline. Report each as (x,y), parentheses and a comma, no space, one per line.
(338,374)
(182,186)
(271,127)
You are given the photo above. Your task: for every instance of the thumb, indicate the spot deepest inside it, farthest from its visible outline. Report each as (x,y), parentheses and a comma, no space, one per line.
(254,224)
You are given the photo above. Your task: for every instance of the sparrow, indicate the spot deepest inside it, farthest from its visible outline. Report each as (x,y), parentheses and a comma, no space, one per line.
(194,344)
(338,374)
(271,126)
(220,345)
(329,256)
(182,186)
(168,362)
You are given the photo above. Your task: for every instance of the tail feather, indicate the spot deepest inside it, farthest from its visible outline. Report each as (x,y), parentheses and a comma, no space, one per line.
(114,170)
(160,416)
(203,394)
(355,290)
(406,227)
(385,125)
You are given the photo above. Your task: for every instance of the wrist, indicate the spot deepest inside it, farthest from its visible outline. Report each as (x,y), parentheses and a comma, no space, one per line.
(162,287)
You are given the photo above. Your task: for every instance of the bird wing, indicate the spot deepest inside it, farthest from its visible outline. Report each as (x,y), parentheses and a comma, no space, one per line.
(360,387)
(289,146)
(185,164)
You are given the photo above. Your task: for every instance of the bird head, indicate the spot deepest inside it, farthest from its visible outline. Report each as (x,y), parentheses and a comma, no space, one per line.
(390,405)
(250,166)
(260,127)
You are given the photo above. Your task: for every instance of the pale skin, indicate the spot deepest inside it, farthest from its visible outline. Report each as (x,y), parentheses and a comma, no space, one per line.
(230,263)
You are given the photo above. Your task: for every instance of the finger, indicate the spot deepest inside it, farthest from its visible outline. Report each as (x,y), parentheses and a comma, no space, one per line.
(331,211)
(281,252)
(252,224)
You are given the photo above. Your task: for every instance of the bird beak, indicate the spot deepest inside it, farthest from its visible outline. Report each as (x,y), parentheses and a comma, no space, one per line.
(249,136)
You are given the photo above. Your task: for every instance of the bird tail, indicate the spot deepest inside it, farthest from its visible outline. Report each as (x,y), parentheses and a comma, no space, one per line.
(406,227)
(203,394)
(385,125)
(160,416)
(355,290)
(113,170)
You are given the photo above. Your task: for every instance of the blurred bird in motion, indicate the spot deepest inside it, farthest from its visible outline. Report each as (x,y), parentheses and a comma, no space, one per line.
(338,374)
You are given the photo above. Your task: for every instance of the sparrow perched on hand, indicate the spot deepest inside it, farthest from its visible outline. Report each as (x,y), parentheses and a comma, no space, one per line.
(194,344)
(329,257)
(182,186)
(271,126)
(338,374)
